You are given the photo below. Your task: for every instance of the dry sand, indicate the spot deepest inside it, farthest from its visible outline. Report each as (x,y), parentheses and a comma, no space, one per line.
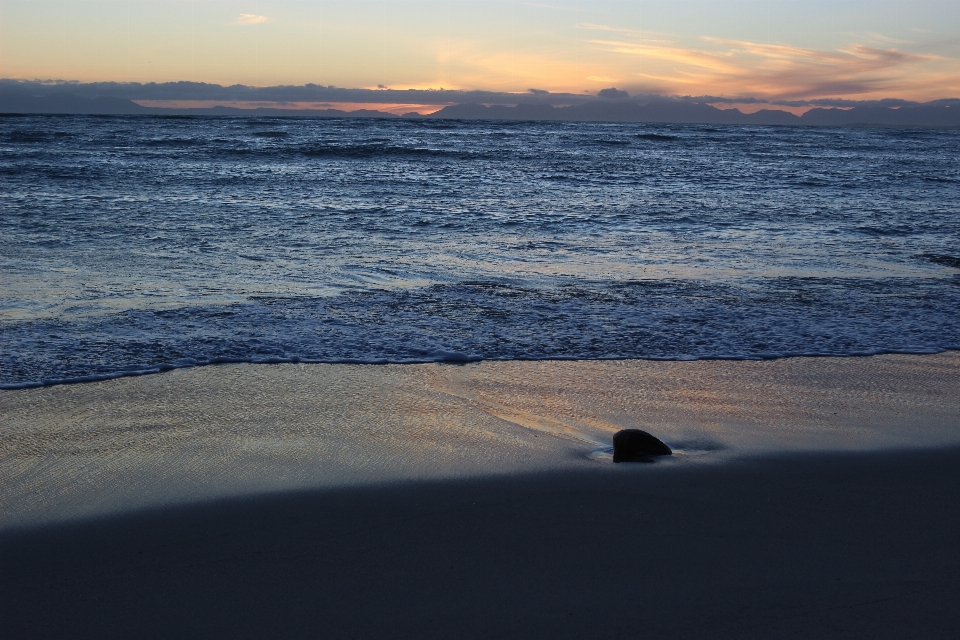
(813,497)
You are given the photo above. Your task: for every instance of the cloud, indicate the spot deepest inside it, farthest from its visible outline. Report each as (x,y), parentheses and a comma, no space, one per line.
(194,95)
(636,33)
(602,27)
(879,37)
(250,18)
(770,71)
(612,94)
(309,93)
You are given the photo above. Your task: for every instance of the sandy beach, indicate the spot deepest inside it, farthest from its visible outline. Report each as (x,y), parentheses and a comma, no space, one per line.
(809,497)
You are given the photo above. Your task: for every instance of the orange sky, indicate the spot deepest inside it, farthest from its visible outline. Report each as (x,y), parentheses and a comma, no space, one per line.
(388,107)
(768,50)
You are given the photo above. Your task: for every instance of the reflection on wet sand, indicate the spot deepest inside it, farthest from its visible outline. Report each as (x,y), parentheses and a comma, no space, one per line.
(192,434)
(747,406)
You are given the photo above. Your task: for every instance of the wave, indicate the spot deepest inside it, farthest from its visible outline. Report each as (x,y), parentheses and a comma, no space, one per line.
(611,143)
(899,230)
(479,240)
(364,151)
(442,357)
(24,136)
(343,151)
(172,142)
(941,259)
(490,320)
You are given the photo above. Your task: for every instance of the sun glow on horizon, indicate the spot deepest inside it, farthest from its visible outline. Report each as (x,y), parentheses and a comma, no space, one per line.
(852,50)
(396,108)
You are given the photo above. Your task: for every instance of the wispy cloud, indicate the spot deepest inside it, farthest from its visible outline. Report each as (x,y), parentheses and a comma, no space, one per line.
(878,37)
(634,33)
(774,71)
(250,18)
(603,27)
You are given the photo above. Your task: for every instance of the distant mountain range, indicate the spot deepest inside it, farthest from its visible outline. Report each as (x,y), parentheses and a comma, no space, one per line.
(66,103)
(942,113)
(680,111)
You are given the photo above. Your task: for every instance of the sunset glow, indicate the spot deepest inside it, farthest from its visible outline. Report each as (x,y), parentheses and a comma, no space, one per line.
(387,107)
(795,52)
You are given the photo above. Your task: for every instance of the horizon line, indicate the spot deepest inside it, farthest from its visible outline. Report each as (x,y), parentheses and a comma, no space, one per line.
(281,95)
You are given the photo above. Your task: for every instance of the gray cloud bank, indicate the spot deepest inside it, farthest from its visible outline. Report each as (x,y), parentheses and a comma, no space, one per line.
(609,105)
(279,94)
(672,110)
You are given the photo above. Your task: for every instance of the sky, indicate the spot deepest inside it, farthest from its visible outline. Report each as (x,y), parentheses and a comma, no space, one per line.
(783,51)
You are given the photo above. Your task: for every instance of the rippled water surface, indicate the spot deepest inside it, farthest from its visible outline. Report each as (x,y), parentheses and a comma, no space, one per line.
(130,244)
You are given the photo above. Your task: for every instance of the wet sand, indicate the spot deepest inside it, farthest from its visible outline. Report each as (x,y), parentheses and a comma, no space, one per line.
(812,497)
(82,450)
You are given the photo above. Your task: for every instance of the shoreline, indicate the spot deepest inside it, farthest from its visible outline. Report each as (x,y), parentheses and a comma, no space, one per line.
(454,359)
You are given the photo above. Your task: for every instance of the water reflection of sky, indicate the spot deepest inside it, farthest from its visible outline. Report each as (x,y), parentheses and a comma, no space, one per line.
(107,216)
(226,277)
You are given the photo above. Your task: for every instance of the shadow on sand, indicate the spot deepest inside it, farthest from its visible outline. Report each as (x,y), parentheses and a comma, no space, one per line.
(805,546)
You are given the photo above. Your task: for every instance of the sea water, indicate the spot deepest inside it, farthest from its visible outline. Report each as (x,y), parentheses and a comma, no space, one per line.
(138,244)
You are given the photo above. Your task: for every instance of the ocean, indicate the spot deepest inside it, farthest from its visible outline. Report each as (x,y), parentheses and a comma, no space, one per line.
(137,244)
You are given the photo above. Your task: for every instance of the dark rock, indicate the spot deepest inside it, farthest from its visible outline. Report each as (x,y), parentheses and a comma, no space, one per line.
(634,445)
